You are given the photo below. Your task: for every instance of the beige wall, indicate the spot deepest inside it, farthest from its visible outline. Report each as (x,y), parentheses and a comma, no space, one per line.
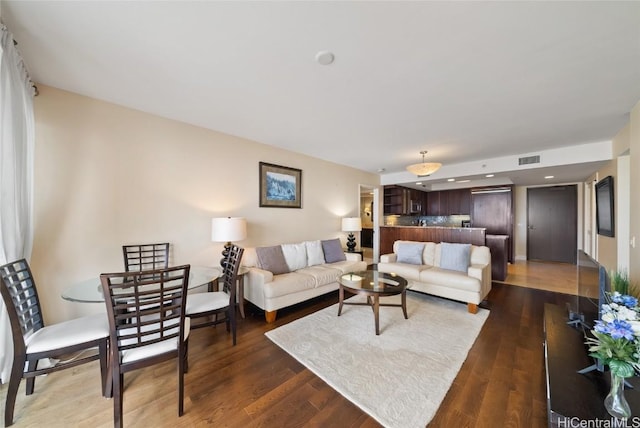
(107,175)
(634,229)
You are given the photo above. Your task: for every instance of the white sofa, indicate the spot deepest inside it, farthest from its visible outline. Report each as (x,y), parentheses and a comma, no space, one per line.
(308,276)
(426,274)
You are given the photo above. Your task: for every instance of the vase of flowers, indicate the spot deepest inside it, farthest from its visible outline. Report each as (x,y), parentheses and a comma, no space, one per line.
(616,343)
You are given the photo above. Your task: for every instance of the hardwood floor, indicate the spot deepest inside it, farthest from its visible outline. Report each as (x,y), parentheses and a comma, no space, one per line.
(257,384)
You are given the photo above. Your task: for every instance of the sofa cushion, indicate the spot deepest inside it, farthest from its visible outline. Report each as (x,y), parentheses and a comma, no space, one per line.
(333,251)
(410,252)
(272,259)
(295,255)
(315,255)
(449,278)
(348,266)
(288,283)
(322,274)
(406,270)
(455,256)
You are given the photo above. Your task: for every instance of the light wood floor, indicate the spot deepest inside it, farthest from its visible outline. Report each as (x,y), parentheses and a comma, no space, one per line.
(257,384)
(558,277)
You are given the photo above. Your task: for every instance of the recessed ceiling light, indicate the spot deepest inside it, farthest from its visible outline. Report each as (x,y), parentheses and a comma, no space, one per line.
(489,175)
(325,57)
(418,183)
(548,177)
(381,170)
(463,181)
(451,179)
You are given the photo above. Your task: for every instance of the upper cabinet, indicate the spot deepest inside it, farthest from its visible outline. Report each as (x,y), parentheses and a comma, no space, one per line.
(394,200)
(402,200)
(459,202)
(449,202)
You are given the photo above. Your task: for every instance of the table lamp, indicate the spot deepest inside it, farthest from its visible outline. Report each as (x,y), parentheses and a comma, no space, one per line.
(351,224)
(228,229)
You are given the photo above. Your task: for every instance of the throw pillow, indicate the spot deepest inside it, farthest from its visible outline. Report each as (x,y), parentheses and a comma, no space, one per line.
(272,259)
(455,256)
(410,252)
(333,252)
(315,255)
(295,255)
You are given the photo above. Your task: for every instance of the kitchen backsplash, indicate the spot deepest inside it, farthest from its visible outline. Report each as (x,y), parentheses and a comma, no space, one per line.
(445,220)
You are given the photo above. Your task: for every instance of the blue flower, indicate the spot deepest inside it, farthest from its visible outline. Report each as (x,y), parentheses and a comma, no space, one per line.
(617,329)
(624,299)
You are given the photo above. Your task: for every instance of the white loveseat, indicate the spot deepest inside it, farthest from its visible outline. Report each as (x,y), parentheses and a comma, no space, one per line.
(270,285)
(469,281)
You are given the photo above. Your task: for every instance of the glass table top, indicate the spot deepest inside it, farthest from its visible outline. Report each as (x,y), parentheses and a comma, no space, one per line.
(372,280)
(90,290)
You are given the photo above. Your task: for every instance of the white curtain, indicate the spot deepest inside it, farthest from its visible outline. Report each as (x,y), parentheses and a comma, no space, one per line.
(17,141)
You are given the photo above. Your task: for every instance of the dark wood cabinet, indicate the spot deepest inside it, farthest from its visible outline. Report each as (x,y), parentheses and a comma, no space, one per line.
(449,202)
(459,202)
(403,200)
(394,200)
(438,203)
(390,234)
(492,208)
(499,247)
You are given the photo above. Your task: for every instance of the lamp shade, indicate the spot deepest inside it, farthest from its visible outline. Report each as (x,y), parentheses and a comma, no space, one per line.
(351,224)
(425,168)
(228,229)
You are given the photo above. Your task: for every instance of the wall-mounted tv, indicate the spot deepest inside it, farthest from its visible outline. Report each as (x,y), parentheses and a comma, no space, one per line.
(604,207)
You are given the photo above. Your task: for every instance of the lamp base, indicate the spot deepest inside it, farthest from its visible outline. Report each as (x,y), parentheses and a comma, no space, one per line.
(351,243)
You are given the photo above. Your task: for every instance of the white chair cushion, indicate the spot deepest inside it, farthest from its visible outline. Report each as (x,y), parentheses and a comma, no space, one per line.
(68,333)
(205,302)
(157,348)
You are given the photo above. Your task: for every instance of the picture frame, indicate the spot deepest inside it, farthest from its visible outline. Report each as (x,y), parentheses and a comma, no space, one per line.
(280,186)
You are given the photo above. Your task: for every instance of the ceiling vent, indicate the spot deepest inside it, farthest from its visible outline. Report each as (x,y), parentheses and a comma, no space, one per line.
(528,160)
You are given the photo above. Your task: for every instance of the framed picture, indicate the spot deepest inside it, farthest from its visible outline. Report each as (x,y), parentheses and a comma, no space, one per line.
(280,186)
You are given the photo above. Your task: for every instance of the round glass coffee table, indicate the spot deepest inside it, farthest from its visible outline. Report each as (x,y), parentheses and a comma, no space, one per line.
(374,285)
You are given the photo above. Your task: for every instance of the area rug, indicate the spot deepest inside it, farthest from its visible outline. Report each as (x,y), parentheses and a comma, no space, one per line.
(399,377)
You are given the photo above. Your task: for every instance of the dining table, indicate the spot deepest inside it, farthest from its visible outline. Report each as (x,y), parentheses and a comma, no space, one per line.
(90,290)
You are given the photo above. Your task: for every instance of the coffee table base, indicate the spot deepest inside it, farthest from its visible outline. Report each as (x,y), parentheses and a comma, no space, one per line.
(373,300)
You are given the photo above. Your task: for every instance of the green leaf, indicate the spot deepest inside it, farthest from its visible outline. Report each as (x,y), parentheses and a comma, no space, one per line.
(621,368)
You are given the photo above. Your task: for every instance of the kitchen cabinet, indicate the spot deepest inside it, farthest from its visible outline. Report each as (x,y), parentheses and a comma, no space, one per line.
(438,203)
(433,203)
(403,200)
(493,209)
(459,202)
(394,200)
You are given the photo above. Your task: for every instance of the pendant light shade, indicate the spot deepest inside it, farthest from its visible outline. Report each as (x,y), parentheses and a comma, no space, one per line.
(425,168)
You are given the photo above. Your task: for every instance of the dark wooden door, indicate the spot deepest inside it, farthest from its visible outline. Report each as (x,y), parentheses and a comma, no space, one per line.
(552,223)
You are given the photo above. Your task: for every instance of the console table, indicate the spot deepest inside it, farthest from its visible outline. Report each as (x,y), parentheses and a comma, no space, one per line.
(572,396)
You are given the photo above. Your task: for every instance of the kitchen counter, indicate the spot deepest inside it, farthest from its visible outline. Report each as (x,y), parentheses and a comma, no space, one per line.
(436,227)
(465,235)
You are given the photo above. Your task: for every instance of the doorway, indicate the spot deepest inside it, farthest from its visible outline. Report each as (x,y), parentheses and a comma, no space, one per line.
(552,223)
(369,219)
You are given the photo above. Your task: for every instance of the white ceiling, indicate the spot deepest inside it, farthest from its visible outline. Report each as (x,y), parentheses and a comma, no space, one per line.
(463,80)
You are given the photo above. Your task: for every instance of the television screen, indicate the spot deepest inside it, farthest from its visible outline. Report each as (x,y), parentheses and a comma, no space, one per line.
(604,207)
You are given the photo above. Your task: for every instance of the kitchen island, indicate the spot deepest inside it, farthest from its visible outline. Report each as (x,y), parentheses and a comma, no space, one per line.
(465,235)
(498,244)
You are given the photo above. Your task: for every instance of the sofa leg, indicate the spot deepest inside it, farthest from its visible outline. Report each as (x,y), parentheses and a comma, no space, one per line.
(473,308)
(270,316)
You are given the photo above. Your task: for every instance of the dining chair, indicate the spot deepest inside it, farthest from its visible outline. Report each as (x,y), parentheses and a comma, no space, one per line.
(140,257)
(33,340)
(211,304)
(147,325)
